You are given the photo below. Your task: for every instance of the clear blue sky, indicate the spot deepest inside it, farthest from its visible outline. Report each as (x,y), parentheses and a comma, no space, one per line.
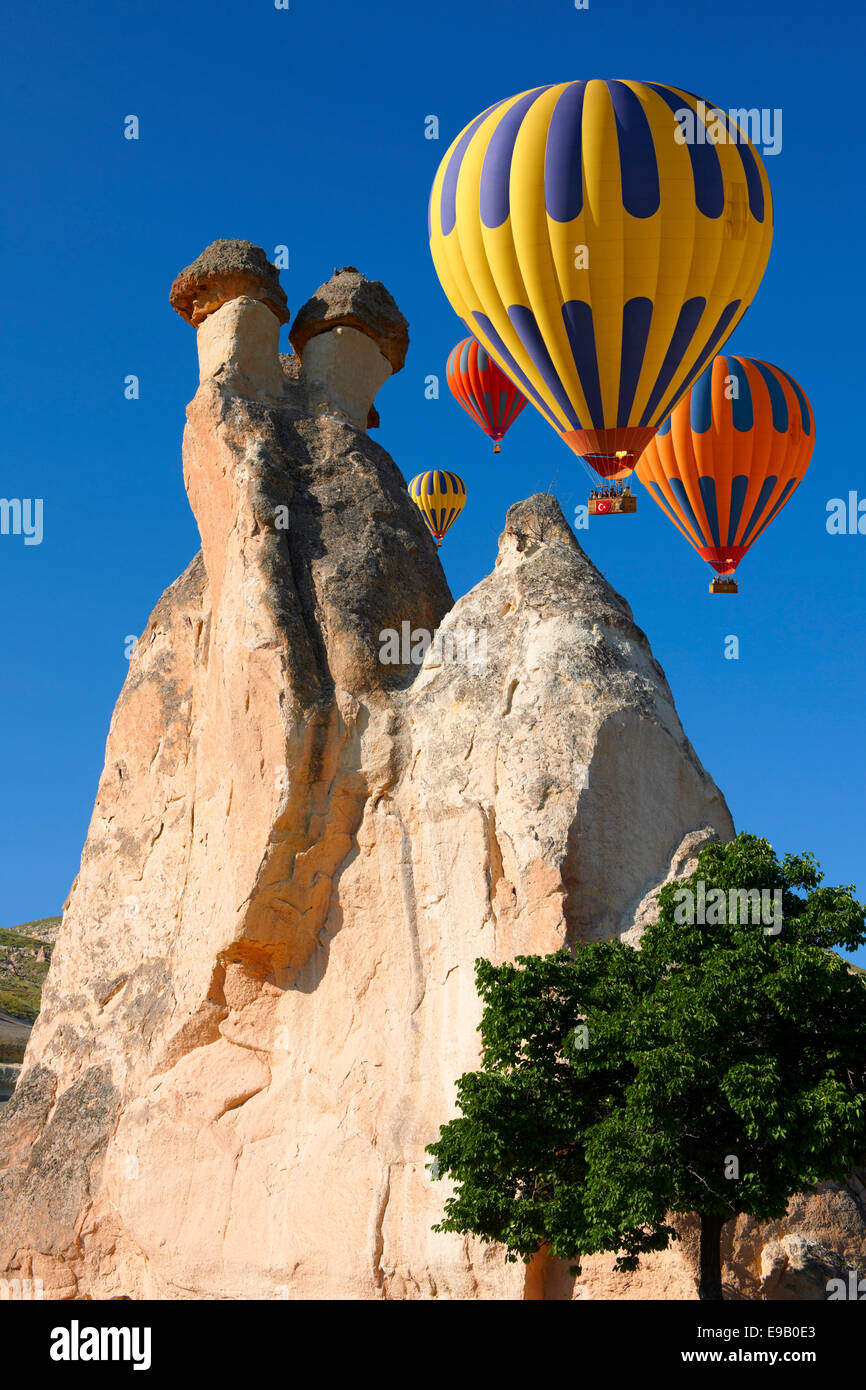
(306,128)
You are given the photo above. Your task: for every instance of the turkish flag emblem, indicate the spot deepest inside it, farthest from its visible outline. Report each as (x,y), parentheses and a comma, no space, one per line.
(602,506)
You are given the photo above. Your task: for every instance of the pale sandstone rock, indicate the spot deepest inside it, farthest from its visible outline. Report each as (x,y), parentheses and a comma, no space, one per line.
(343,370)
(237,347)
(263,990)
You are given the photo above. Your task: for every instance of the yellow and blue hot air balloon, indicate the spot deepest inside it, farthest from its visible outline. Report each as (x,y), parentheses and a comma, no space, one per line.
(601,247)
(440,496)
(729,457)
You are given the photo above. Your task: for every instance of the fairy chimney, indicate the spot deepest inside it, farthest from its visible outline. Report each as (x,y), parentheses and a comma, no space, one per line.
(227,270)
(232,295)
(350,338)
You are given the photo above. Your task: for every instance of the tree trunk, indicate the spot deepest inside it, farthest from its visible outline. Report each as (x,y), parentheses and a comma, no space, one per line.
(710,1283)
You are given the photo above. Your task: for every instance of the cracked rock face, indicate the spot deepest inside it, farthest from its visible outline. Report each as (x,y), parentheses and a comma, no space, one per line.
(263,989)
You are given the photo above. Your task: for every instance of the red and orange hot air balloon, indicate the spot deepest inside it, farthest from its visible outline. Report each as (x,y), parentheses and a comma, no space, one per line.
(728,458)
(483,389)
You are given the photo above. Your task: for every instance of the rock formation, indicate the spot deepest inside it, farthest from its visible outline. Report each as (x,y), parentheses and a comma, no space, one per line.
(227,270)
(309,825)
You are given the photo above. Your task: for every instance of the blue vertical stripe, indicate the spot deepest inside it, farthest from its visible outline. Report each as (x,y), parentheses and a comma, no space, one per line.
(636,319)
(448,207)
(708,497)
(514,369)
(739,488)
(778,399)
(709,348)
(563,156)
(682,497)
(740,392)
(495,191)
(701,402)
(706,166)
(638,167)
(530,336)
(805,412)
(689,318)
(763,498)
(577,317)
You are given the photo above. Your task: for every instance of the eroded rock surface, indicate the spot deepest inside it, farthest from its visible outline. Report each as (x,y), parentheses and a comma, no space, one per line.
(263,989)
(350,300)
(223,271)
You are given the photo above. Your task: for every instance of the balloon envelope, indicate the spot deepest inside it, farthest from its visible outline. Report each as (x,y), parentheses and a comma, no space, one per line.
(601,248)
(483,389)
(440,497)
(730,456)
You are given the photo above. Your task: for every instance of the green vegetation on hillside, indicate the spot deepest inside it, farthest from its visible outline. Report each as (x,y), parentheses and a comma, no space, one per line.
(42,928)
(21,971)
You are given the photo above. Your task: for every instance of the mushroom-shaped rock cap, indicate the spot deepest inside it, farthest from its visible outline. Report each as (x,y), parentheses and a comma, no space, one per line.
(350,300)
(226,270)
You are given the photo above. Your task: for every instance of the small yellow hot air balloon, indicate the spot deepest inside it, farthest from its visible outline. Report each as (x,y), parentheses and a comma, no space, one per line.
(440,496)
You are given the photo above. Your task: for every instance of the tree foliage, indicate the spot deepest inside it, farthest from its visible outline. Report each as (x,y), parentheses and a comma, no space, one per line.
(718,1069)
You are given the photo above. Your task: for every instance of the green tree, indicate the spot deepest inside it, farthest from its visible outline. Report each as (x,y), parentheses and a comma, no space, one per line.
(716,1070)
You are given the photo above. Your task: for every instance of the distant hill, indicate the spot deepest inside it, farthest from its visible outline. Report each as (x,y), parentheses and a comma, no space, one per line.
(42,929)
(25,954)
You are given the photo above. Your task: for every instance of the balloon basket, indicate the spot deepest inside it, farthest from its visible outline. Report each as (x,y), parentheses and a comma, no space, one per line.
(723,586)
(610,506)
(497,449)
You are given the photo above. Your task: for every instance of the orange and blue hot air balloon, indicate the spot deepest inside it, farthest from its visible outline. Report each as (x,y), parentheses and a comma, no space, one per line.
(601,240)
(483,389)
(728,458)
(440,497)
